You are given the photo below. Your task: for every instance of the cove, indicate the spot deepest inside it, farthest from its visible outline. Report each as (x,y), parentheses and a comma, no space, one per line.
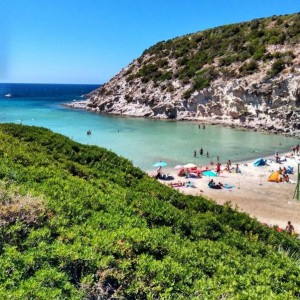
(143,141)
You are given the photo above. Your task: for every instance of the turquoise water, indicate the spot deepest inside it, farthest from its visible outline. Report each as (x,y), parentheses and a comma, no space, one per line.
(142,141)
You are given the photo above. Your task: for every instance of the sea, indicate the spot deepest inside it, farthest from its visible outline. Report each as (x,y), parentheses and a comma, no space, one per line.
(143,141)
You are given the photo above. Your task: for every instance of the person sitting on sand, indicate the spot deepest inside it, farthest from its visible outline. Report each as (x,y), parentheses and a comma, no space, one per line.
(213,185)
(158,171)
(277,158)
(285,175)
(187,173)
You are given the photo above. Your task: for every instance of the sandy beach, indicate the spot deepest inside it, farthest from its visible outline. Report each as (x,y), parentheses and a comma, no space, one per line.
(269,202)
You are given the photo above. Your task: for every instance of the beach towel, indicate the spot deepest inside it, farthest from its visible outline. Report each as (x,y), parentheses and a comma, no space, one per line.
(209,173)
(190,184)
(228,186)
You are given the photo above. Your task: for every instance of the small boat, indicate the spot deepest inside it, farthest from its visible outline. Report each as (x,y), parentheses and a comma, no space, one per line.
(9,95)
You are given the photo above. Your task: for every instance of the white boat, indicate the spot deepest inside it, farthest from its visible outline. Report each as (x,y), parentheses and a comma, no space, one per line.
(9,95)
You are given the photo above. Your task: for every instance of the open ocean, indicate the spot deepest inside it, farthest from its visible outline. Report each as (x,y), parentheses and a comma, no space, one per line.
(142,141)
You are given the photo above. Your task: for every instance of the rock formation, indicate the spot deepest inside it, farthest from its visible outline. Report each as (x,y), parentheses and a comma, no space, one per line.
(259,91)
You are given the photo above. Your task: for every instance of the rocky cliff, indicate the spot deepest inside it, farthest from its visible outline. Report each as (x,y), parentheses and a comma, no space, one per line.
(245,74)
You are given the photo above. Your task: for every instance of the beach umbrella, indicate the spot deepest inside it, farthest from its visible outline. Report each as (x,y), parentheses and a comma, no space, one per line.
(178,167)
(190,165)
(160,164)
(209,173)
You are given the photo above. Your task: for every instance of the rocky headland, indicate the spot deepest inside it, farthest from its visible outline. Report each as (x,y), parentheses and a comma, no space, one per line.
(245,75)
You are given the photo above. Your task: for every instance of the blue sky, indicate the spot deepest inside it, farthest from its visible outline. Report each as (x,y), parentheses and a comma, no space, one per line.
(89,41)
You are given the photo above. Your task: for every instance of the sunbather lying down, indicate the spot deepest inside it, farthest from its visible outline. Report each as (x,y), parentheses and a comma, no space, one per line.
(180,184)
(176,184)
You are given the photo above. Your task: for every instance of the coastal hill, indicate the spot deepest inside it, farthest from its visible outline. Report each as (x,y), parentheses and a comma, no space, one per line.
(79,222)
(245,74)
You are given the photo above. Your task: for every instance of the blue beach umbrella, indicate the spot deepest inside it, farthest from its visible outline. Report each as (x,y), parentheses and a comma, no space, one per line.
(209,173)
(160,164)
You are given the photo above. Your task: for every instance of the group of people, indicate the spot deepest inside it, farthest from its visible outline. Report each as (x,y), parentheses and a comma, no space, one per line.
(284,173)
(229,168)
(201,152)
(89,132)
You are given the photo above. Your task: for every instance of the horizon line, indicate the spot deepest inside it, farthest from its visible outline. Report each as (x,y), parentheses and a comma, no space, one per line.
(50,83)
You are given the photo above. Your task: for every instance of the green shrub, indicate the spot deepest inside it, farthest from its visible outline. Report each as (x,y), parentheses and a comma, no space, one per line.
(277,67)
(187,94)
(248,68)
(228,44)
(259,53)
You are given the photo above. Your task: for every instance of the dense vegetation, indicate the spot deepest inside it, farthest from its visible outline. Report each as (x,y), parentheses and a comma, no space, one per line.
(79,222)
(199,58)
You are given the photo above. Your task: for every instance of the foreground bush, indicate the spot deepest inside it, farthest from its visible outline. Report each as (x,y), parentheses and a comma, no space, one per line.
(99,228)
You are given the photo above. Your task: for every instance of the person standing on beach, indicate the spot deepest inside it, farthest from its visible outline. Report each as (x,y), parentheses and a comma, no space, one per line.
(207,154)
(228,167)
(218,168)
(290,228)
(195,153)
(229,163)
(158,172)
(201,151)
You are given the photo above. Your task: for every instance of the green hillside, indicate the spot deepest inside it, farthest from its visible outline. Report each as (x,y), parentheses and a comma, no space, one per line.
(229,51)
(79,222)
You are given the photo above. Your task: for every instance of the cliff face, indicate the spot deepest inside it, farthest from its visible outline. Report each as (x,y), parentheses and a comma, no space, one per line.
(245,75)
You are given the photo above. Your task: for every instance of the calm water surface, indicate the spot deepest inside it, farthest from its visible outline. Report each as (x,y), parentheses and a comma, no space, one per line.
(142,141)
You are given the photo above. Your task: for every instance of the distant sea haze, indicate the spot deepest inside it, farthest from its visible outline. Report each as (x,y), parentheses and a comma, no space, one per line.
(143,141)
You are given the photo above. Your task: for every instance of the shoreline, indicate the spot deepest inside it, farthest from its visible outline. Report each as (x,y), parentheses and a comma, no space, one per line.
(271,127)
(269,202)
